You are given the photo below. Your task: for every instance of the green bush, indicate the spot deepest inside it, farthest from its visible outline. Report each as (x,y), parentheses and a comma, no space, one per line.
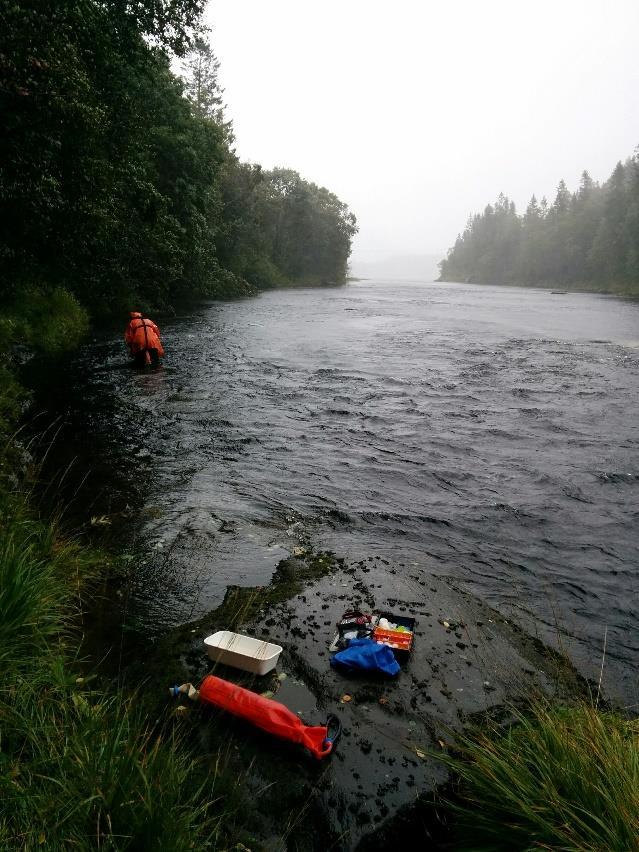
(559,778)
(263,274)
(225,284)
(51,321)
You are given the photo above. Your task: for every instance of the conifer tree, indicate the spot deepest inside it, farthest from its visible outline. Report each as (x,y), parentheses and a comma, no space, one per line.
(200,74)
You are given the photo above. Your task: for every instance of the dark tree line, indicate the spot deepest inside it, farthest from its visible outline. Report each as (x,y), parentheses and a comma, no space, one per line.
(589,238)
(118,181)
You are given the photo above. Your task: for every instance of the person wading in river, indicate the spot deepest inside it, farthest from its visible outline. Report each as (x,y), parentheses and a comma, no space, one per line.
(143,339)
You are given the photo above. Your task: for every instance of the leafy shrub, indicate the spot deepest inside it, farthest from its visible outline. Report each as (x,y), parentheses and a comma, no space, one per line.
(51,321)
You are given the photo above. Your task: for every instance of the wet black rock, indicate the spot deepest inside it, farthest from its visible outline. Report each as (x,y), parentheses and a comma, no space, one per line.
(391,727)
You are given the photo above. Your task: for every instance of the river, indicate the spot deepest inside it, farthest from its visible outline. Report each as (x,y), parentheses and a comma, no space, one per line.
(486,435)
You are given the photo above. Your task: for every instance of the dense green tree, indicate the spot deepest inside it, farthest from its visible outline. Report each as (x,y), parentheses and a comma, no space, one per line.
(117,178)
(171,23)
(631,225)
(588,238)
(532,235)
(561,204)
(311,229)
(586,186)
(107,184)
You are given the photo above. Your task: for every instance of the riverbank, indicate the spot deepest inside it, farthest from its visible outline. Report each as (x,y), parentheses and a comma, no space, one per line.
(80,765)
(473,678)
(185,515)
(622,290)
(124,782)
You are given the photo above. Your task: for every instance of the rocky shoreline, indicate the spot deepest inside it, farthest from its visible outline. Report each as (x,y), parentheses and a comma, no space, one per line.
(468,662)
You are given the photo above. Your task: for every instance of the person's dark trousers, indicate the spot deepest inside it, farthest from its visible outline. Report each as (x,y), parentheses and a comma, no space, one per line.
(139,359)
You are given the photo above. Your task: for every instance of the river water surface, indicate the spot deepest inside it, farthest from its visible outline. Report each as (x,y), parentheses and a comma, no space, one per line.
(487,435)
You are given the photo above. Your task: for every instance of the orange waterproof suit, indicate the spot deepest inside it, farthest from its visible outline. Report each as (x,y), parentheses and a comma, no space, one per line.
(142,335)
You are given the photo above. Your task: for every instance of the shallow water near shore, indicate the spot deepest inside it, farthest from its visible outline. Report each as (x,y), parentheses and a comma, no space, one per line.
(486,436)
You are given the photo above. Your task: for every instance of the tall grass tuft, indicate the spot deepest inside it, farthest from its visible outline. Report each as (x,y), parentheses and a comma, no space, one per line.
(559,778)
(85,771)
(31,600)
(82,768)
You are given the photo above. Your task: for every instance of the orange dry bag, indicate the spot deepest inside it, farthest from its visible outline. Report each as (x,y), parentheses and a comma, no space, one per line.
(269,715)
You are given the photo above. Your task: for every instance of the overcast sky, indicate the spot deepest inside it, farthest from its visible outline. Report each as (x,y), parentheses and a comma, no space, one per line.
(419,112)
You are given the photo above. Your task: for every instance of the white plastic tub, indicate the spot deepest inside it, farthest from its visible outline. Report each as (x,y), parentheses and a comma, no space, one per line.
(242,652)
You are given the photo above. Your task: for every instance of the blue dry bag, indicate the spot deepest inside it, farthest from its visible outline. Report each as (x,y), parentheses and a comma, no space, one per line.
(364,655)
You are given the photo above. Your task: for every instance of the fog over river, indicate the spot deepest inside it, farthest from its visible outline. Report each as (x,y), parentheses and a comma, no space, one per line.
(487,435)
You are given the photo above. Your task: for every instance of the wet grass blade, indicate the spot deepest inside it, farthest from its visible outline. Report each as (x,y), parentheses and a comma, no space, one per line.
(560,778)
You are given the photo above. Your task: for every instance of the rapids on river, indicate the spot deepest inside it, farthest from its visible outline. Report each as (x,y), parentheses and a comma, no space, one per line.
(485,435)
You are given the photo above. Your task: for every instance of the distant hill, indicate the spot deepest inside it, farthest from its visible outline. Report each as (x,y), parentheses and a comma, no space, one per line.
(404,267)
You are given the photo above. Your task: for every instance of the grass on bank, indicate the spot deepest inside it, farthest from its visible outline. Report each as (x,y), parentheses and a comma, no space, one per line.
(561,778)
(81,769)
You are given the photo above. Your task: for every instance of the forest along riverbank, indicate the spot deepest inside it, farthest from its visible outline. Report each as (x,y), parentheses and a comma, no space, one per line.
(486,436)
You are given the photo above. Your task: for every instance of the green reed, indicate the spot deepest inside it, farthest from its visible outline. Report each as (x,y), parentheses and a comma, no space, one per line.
(81,768)
(561,778)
